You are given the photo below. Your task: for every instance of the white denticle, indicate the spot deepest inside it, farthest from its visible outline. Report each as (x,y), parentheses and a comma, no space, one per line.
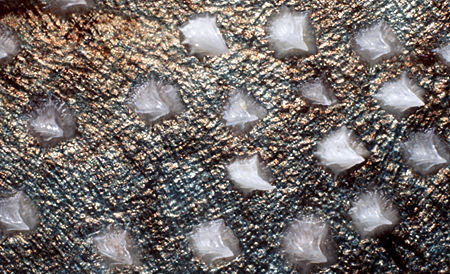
(290,33)
(116,246)
(66,7)
(340,151)
(305,242)
(52,123)
(248,175)
(372,214)
(9,45)
(426,152)
(214,243)
(155,101)
(242,111)
(317,93)
(18,213)
(444,53)
(203,36)
(377,42)
(400,95)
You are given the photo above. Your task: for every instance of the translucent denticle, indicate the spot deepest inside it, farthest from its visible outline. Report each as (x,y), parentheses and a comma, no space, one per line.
(372,214)
(305,243)
(203,36)
(66,7)
(18,213)
(377,42)
(290,33)
(248,174)
(214,243)
(115,246)
(9,45)
(155,101)
(425,152)
(400,95)
(340,151)
(242,111)
(52,123)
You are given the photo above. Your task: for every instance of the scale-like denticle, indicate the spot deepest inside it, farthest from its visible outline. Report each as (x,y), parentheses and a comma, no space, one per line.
(377,42)
(340,151)
(291,33)
(67,7)
(155,101)
(444,53)
(373,214)
(426,152)
(306,243)
(400,96)
(242,111)
(116,247)
(9,45)
(18,213)
(203,36)
(248,174)
(214,243)
(317,92)
(52,123)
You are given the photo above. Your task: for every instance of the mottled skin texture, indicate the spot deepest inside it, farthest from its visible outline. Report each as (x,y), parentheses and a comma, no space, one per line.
(167,178)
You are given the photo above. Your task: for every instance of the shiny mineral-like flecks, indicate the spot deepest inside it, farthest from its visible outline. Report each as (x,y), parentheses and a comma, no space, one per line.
(291,33)
(51,123)
(248,174)
(67,7)
(401,95)
(155,100)
(306,243)
(242,111)
(9,45)
(214,243)
(18,213)
(340,150)
(317,92)
(425,152)
(377,42)
(444,53)
(116,247)
(373,214)
(203,36)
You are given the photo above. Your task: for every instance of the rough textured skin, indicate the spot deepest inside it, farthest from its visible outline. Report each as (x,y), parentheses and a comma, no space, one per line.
(165,179)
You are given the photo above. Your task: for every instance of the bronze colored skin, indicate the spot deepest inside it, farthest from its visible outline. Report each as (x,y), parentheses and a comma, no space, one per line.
(166,178)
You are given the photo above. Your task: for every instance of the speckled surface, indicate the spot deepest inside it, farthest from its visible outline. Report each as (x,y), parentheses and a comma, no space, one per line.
(164,179)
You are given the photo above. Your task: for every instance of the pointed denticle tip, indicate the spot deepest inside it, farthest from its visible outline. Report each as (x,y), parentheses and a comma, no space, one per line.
(203,36)
(18,213)
(426,153)
(444,53)
(306,242)
(67,7)
(340,150)
(248,174)
(9,45)
(377,42)
(373,214)
(400,96)
(155,101)
(242,111)
(214,243)
(290,33)
(317,92)
(116,247)
(52,123)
